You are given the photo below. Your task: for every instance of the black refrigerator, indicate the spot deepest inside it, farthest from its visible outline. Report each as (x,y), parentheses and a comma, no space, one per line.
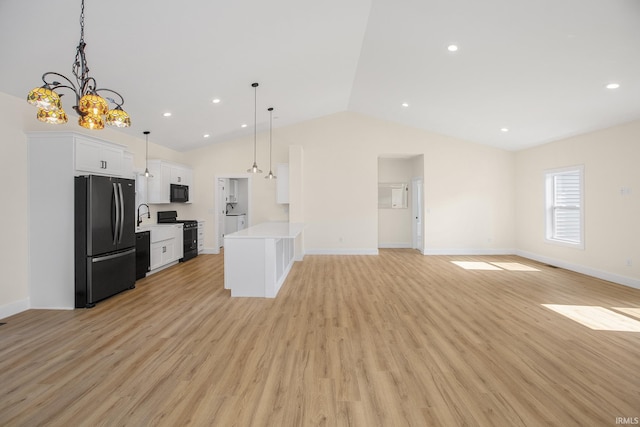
(105,239)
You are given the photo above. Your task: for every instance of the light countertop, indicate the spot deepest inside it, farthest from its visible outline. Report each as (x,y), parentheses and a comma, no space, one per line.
(268,230)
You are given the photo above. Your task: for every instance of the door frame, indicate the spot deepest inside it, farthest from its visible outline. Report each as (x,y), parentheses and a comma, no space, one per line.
(417,221)
(220,205)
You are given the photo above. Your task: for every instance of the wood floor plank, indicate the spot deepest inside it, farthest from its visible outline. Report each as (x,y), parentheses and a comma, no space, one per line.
(395,339)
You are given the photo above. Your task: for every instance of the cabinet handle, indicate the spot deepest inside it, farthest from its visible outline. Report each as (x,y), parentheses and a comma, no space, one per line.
(164,249)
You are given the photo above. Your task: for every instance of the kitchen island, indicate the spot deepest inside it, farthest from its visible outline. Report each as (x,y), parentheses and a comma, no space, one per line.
(258,259)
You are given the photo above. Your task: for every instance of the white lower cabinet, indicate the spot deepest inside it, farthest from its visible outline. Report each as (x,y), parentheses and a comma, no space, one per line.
(200,236)
(166,245)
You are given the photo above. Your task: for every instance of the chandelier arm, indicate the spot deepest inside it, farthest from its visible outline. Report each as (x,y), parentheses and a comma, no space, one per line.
(113,101)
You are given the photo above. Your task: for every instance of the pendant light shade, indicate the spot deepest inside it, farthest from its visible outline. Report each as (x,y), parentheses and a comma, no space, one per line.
(254,168)
(270,175)
(146,155)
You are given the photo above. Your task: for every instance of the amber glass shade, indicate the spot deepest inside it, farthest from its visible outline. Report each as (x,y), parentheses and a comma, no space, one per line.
(91,122)
(57,117)
(44,98)
(94,105)
(118,118)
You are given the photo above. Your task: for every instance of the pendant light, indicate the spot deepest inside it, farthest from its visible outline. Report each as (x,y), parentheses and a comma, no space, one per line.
(254,168)
(271,175)
(147,174)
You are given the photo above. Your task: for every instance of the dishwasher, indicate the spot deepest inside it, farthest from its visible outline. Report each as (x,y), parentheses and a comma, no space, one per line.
(143,239)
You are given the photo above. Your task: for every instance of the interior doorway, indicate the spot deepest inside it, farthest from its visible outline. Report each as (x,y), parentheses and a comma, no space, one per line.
(400,201)
(232,205)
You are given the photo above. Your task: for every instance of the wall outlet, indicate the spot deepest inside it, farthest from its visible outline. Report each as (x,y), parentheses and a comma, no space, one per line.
(629,262)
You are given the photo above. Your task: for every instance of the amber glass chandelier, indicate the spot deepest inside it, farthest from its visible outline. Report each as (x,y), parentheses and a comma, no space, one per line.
(92,108)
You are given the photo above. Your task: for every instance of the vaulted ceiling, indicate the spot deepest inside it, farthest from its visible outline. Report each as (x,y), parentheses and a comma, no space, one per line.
(537,68)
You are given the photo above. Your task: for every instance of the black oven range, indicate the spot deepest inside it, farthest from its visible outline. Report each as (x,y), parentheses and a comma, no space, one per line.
(190,230)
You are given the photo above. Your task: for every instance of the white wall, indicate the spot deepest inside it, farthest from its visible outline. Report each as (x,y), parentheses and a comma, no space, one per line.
(612,220)
(468,187)
(14,286)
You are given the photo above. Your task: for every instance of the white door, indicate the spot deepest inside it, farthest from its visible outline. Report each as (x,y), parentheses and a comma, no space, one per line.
(418,227)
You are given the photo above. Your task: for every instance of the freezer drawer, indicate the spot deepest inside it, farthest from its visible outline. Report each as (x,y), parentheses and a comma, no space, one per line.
(106,276)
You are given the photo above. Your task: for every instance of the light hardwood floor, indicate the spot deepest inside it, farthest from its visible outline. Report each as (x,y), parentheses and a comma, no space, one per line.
(398,339)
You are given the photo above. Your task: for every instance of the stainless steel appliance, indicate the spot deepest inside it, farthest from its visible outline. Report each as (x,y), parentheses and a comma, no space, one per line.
(105,254)
(190,230)
(179,193)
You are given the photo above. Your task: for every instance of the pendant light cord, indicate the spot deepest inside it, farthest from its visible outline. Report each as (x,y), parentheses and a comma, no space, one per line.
(255,120)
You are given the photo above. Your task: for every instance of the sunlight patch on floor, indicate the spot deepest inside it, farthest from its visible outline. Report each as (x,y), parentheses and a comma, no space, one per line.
(635,312)
(475,265)
(597,318)
(481,265)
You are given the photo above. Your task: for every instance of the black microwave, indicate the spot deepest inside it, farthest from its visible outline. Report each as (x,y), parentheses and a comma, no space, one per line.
(179,193)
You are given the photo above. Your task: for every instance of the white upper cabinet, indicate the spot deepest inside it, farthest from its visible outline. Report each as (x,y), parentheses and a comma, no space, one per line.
(97,157)
(164,174)
(181,175)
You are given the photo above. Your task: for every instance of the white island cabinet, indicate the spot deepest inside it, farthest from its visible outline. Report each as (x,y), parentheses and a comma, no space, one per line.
(258,259)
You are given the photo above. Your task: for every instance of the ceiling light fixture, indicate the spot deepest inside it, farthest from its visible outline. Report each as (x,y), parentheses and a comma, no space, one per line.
(504,130)
(90,106)
(146,155)
(254,168)
(405,105)
(216,101)
(452,48)
(167,114)
(271,175)
(613,86)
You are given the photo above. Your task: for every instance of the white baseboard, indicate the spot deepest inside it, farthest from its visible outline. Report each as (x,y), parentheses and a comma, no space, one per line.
(394,245)
(14,307)
(341,251)
(462,252)
(604,275)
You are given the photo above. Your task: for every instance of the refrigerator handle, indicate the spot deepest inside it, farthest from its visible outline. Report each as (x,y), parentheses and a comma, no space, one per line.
(117,203)
(121,212)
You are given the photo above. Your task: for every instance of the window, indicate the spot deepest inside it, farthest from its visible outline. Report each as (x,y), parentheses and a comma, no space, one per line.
(565,207)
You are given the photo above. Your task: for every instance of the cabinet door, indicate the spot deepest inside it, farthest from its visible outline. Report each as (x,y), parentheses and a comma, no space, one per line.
(169,251)
(180,175)
(158,184)
(156,255)
(98,158)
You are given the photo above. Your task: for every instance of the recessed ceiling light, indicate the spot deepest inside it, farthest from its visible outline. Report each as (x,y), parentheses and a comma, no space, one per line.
(613,86)
(167,114)
(244,125)
(206,135)
(505,129)
(216,101)
(405,104)
(452,48)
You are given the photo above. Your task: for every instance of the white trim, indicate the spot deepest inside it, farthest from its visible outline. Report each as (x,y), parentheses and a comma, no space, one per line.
(599,274)
(464,251)
(210,251)
(354,251)
(404,245)
(14,307)
(549,201)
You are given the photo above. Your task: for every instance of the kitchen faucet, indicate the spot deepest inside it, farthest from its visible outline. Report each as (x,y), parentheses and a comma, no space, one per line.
(148,213)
